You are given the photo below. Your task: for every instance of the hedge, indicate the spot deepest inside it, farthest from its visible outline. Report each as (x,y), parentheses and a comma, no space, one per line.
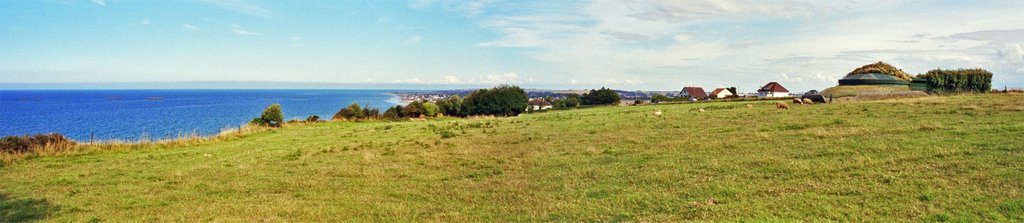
(961,80)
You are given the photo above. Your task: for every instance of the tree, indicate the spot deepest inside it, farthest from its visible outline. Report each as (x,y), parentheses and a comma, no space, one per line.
(393,113)
(450,105)
(271,116)
(603,96)
(430,109)
(352,112)
(572,100)
(659,98)
(371,113)
(503,100)
(413,110)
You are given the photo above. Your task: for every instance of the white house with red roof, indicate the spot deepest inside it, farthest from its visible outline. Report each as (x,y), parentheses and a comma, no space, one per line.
(720,93)
(773,90)
(694,93)
(538,104)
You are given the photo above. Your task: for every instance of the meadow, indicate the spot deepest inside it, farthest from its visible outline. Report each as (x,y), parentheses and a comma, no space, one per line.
(949,158)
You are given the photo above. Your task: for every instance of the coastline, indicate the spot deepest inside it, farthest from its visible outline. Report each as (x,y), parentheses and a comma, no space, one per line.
(396,99)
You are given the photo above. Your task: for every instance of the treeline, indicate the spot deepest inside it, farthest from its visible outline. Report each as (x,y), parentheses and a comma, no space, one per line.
(594,97)
(960,80)
(503,100)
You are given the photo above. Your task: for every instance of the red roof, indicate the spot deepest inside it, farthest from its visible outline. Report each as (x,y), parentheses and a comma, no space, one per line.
(773,87)
(717,90)
(538,102)
(696,92)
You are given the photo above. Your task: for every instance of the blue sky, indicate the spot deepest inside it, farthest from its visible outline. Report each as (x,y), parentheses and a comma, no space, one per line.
(648,44)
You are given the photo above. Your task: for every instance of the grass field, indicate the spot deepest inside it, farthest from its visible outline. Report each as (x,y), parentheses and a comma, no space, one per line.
(956,158)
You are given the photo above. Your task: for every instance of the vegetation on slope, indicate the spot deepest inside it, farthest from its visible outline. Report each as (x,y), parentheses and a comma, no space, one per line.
(883,68)
(942,158)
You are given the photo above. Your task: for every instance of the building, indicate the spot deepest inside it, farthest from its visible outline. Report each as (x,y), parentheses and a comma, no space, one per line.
(721,93)
(773,90)
(538,104)
(694,93)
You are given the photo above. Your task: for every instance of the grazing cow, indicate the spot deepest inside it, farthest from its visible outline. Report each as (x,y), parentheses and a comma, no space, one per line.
(781,105)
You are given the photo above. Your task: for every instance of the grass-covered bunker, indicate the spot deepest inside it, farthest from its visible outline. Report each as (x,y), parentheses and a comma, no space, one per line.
(882,73)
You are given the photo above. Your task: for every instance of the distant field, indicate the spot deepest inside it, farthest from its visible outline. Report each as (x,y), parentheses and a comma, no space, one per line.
(956,158)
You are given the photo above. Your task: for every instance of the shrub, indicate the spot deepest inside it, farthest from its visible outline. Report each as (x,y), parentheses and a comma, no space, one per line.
(371,113)
(603,96)
(450,105)
(272,116)
(352,112)
(26,143)
(430,109)
(313,118)
(393,113)
(960,80)
(658,98)
(504,100)
(413,110)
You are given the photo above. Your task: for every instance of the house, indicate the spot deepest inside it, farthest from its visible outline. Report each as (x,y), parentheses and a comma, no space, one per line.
(721,93)
(773,90)
(538,104)
(694,93)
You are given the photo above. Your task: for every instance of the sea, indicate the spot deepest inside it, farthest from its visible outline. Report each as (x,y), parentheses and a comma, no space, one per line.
(160,114)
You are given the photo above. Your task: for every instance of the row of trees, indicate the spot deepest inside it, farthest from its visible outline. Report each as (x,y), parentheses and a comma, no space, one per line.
(503,100)
(961,80)
(603,96)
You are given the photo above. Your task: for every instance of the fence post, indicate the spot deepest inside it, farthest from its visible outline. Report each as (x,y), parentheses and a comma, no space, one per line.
(91,135)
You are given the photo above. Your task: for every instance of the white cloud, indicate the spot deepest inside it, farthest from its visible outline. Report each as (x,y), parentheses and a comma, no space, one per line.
(451,79)
(505,78)
(735,42)
(100,2)
(189,26)
(144,22)
(409,81)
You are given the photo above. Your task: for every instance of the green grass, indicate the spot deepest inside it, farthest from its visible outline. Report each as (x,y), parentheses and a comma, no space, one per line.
(846,91)
(957,158)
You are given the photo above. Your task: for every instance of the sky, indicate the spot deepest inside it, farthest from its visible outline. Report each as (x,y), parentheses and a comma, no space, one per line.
(437,44)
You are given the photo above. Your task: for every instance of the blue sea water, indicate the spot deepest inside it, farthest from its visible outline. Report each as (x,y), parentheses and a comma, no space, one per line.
(159,114)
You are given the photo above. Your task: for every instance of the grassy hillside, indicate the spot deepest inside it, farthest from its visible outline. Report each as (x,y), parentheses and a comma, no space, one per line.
(933,159)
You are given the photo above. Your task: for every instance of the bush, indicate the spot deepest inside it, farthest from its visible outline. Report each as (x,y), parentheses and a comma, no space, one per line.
(603,96)
(371,113)
(430,109)
(961,80)
(313,118)
(659,98)
(450,105)
(504,100)
(272,116)
(393,113)
(26,143)
(352,112)
(413,110)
